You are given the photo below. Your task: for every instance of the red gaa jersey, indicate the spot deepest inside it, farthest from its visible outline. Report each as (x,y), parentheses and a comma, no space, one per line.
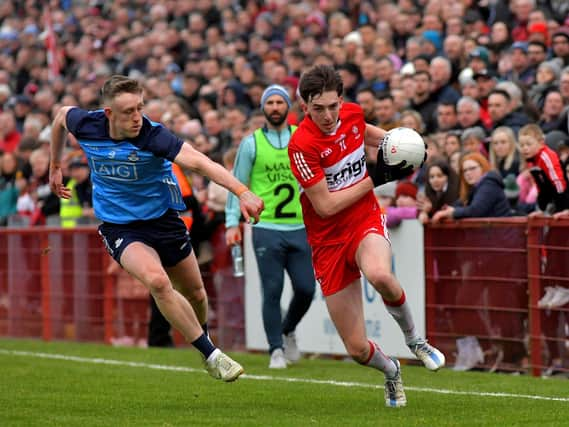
(548,161)
(339,158)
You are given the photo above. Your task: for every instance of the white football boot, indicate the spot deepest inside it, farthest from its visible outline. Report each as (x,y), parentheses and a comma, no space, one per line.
(432,358)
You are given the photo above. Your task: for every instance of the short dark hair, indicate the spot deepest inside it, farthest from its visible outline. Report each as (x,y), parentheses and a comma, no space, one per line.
(384,58)
(367,24)
(447,104)
(320,79)
(423,73)
(539,44)
(502,92)
(118,84)
(366,88)
(422,57)
(385,96)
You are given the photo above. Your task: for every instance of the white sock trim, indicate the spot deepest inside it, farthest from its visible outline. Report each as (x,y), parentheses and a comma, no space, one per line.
(213,355)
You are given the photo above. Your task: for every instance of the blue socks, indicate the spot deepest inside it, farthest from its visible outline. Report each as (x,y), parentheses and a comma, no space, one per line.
(204,345)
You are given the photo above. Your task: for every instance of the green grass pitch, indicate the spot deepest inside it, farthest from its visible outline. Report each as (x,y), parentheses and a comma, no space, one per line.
(71,384)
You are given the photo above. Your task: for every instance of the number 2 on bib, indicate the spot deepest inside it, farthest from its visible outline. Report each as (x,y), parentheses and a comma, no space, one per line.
(288,190)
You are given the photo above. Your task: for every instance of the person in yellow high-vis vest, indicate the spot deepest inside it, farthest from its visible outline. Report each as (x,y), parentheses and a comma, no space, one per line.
(70,209)
(80,205)
(279,238)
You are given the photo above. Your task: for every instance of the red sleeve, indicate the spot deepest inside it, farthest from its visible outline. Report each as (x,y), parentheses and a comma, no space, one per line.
(550,164)
(304,163)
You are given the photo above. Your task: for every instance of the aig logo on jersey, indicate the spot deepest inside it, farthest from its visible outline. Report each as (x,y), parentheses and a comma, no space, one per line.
(116,170)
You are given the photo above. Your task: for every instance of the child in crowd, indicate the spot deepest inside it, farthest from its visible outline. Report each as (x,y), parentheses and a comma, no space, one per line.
(405,204)
(385,194)
(546,170)
(398,200)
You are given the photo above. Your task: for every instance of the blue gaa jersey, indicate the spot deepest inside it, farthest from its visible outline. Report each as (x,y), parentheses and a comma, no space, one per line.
(132,179)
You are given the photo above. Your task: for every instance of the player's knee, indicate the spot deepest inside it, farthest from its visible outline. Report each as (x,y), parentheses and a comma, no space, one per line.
(158,284)
(380,278)
(198,295)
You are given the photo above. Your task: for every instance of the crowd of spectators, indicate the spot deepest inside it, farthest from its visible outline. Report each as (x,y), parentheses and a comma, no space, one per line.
(467,75)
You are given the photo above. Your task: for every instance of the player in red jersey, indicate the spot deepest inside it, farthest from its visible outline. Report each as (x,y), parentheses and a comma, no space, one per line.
(345,226)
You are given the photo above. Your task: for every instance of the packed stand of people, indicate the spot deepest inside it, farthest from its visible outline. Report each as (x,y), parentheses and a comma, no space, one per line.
(468,76)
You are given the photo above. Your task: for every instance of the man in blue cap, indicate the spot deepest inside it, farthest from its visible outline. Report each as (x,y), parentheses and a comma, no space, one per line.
(522,73)
(279,238)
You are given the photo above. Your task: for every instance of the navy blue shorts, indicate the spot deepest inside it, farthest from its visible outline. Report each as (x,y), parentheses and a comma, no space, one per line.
(167,235)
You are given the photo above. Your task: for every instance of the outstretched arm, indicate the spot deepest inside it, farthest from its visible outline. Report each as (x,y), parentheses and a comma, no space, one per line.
(250,204)
(58,131)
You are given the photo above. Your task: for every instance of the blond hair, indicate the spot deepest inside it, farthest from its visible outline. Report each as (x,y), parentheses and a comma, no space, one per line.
(117,85)
(511,156)
(533,131)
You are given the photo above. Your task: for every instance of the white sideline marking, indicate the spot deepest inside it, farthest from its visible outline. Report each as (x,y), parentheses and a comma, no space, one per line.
(268,377)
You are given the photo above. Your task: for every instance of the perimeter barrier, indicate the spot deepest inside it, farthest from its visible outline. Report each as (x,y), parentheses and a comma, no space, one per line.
(61,284)
(499,285)
(487,280)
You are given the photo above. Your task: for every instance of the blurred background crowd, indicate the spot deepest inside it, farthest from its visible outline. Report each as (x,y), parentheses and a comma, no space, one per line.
(467,75)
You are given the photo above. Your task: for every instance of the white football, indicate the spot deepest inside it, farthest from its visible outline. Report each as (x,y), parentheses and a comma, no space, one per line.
(403,144)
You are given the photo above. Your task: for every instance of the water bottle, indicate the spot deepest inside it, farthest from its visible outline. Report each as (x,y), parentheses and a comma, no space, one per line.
(237,255)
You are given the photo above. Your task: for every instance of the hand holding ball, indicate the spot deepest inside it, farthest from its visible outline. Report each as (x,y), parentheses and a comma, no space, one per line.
(402,151)
(404,144)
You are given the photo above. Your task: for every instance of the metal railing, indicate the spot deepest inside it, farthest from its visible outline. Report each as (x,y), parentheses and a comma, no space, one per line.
(485,278)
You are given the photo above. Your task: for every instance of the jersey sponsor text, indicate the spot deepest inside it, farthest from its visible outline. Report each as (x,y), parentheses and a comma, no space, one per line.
(120,171)
(350,170)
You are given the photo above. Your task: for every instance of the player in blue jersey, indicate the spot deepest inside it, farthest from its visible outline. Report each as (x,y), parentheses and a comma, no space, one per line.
(136,196)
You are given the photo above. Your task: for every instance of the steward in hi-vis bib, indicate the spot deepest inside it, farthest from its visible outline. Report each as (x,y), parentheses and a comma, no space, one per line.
(273,181)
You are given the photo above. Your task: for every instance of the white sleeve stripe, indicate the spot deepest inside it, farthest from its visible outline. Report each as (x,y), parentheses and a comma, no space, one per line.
(557,181)
(302,166)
